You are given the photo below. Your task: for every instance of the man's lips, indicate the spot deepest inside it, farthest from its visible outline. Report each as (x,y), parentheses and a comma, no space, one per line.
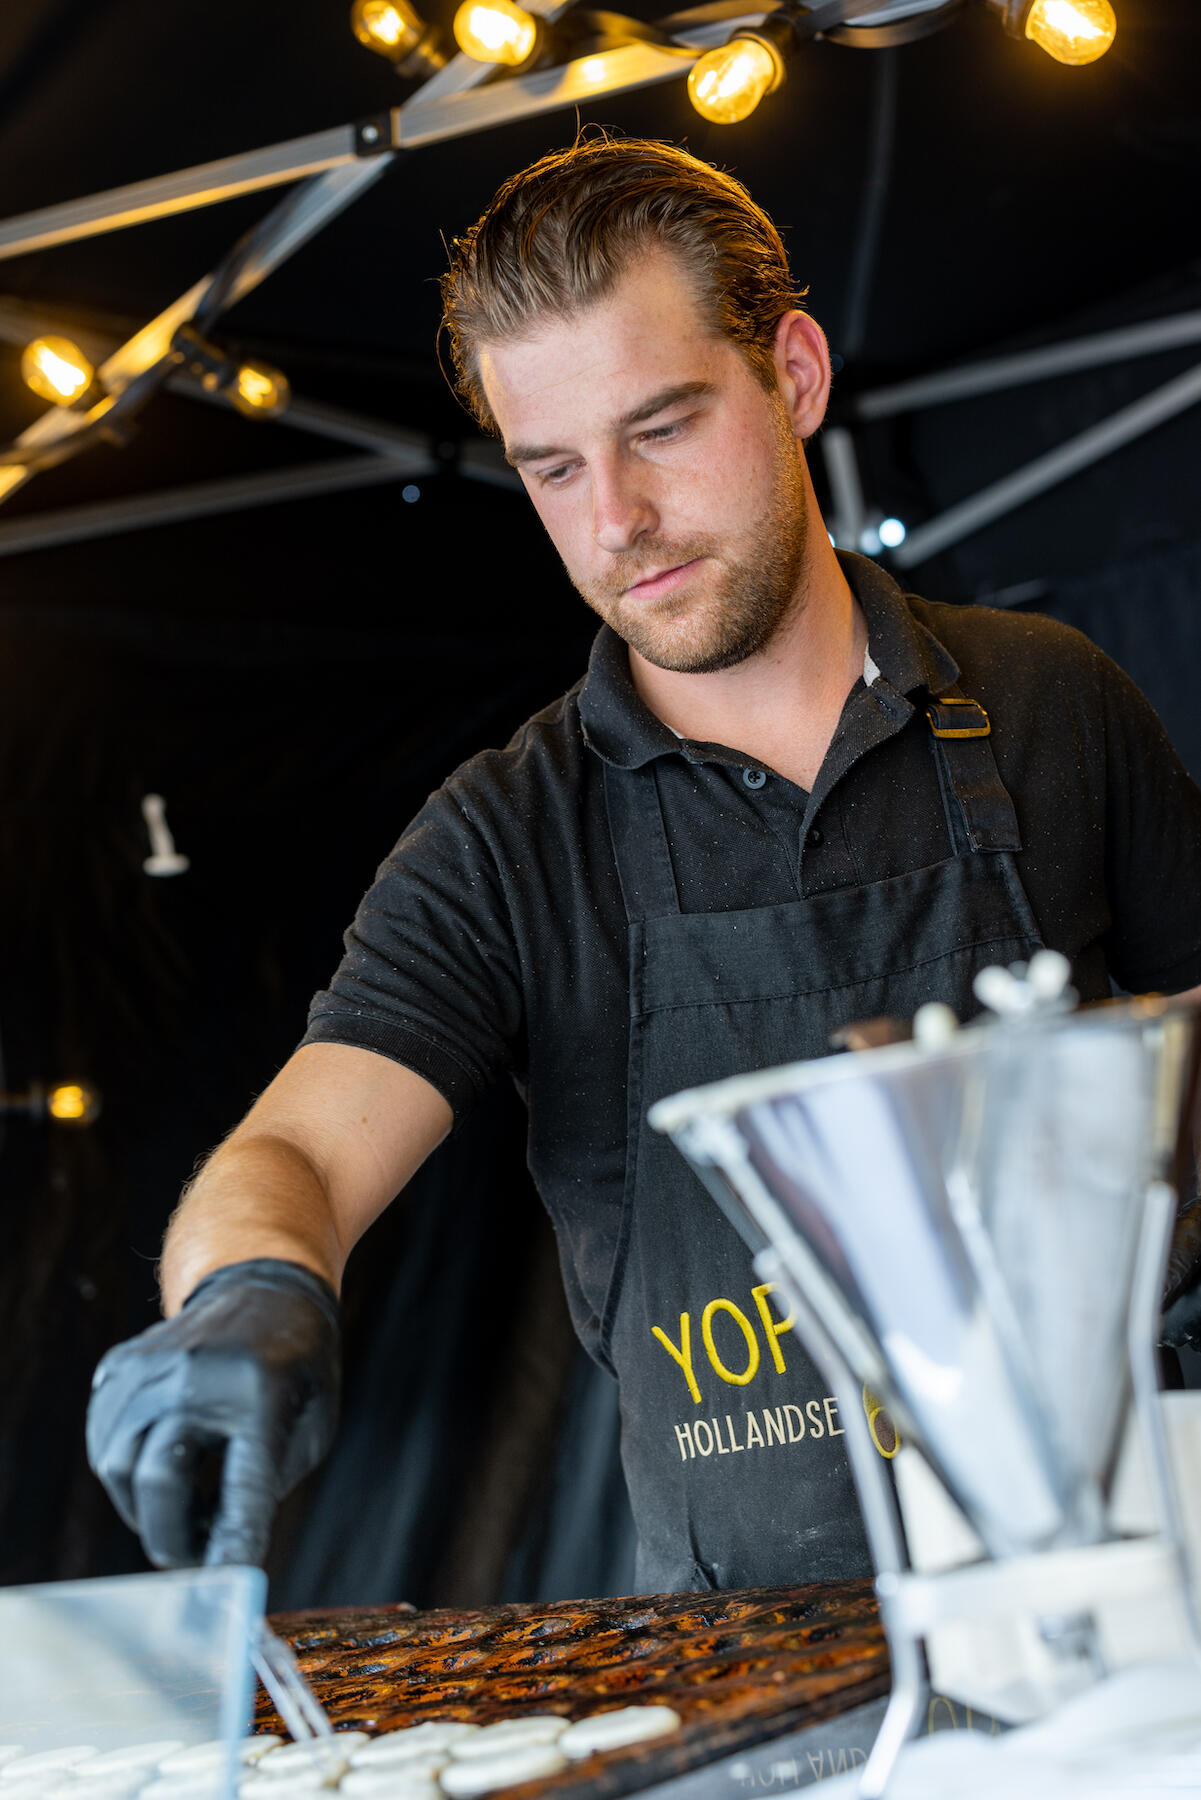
(661,583)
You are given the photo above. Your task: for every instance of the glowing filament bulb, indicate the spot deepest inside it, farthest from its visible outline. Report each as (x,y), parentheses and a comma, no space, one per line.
(1072,31)
(257,390)
(390,27)
(727,84)
(56,369)
(72,1104)
(496,31)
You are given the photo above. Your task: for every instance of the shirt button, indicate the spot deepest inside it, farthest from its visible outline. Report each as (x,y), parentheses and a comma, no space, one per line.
(815,836)
(754,778)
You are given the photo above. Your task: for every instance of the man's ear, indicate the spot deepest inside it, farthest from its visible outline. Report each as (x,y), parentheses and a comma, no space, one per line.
(803,370)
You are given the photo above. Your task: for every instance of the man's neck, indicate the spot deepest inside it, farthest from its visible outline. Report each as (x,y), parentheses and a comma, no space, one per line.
(780,707)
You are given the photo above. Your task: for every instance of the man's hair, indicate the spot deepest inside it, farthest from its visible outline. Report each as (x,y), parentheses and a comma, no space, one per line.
(559,235)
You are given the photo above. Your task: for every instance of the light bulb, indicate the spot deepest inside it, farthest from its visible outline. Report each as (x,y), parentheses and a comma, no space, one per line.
(72,1104)
(727,84)
(390,27)
(56,369)
(258,391)
(496,31)
(1072,31)
(891,533)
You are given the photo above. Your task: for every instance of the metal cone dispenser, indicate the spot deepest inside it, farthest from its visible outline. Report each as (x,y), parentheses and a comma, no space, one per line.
(973,1226)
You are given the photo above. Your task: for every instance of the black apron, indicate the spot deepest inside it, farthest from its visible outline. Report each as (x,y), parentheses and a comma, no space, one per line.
(730,1440)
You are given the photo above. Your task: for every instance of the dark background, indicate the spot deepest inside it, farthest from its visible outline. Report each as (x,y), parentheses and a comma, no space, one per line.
(295,679)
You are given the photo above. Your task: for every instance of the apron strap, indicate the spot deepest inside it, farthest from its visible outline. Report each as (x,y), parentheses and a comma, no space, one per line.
(648,882)
(968,769)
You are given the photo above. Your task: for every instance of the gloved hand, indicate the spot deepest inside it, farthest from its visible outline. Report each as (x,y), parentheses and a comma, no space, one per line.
(199,1426)
(1181,1328)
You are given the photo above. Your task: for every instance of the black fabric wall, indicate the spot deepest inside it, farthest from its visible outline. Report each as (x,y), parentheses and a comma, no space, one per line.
(290,755)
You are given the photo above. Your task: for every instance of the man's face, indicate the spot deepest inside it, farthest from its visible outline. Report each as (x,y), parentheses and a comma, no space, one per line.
(668,478)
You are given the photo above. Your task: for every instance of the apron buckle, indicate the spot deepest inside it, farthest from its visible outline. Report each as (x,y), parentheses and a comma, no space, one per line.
(974,723)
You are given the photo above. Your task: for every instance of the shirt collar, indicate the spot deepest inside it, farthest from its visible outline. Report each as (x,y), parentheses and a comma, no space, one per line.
(623,731)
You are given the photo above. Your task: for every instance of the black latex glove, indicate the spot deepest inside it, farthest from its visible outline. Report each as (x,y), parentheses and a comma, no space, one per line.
(1181,1328)
(200,1426)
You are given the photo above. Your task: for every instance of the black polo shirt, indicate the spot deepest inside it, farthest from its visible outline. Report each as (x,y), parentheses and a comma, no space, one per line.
(494,937)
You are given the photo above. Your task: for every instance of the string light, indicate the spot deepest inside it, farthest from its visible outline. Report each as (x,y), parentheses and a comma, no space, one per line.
(66,1103)
(258,390)
(726,85)
(1072,31)
(56,369)
(72,1104)
(390,27)
(496,31)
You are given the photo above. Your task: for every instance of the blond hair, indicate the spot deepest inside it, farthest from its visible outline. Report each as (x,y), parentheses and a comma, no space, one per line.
(559,235)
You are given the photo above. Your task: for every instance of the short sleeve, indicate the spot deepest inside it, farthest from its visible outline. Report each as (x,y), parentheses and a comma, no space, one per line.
(1153,846)
(429,976)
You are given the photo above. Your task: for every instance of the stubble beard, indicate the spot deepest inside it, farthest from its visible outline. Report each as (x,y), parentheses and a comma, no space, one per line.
(753,585)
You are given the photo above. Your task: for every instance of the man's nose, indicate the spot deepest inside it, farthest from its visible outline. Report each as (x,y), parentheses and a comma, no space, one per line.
(622,509)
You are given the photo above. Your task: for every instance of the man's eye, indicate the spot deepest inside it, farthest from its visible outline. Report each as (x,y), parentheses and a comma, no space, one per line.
(659,433)
(556,475)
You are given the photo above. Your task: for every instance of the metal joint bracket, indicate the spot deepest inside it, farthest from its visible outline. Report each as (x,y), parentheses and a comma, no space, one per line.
(375,135)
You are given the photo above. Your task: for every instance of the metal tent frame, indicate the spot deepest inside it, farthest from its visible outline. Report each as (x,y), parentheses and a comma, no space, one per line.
(335,167)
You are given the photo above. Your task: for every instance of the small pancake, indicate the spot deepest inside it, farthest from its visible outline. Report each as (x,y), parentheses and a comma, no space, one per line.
(464,1780)
(509,1734)
(40,1761)
(130,1756)
(610,1730)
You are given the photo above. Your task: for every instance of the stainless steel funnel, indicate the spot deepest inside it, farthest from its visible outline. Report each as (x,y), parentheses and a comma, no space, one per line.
(963,1224)
(975,1226)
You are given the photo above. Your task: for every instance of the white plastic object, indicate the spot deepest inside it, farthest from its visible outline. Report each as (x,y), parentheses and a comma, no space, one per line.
(1024,987)
(1048,974)
(116,1665)
(934,1025)
(164,858)
(1003,992)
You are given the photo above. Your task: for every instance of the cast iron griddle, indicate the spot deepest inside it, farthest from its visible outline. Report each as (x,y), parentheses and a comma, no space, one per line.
(739,1667)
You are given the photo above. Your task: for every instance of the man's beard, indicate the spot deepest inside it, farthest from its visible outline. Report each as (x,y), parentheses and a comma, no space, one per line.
(752,586)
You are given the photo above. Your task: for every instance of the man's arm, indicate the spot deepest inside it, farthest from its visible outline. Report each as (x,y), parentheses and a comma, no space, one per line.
(316,1160)
(237,1389)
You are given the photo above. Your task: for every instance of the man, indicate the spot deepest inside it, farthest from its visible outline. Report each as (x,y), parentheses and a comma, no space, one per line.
(755,820)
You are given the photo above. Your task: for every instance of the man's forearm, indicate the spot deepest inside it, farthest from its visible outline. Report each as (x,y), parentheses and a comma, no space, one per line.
(257,1195)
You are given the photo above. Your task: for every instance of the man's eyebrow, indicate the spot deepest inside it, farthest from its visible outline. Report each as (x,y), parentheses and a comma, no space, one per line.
(637,415)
